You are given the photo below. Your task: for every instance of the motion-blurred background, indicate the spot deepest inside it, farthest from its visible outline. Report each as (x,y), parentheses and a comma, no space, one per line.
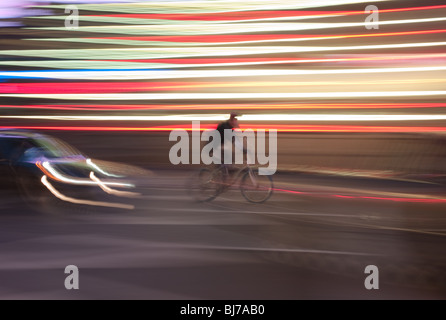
(345,88)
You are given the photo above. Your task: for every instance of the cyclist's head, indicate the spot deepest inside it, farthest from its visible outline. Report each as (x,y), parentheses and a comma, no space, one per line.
(233,115)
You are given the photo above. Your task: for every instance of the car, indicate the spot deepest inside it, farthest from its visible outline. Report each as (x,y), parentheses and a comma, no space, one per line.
(50,175)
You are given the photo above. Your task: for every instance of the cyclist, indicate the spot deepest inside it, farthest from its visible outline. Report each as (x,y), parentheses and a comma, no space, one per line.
(231,124)
(227,141)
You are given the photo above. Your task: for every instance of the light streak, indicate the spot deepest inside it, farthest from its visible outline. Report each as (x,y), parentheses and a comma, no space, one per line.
(150,74)
(78,181)
(230,28)
(200,62)
(229,39)
(199,7)
(62,197)
(111,191)
(225,17)
(116,87)
(228,96)
(396,199)
(97,168)
(247,117)
(263,106)
(278,127)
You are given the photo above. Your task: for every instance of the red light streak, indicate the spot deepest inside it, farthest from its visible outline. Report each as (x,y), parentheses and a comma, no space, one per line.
(225,107)
(251,15)
(395,199)
(264,37)
(97,87)
(279,128)
(280,60)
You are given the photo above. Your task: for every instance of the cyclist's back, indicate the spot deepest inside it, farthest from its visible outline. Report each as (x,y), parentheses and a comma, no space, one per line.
(227,140)
(231,124)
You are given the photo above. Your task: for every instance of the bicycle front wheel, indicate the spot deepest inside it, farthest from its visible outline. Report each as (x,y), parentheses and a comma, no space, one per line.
(205,185)
(255,187)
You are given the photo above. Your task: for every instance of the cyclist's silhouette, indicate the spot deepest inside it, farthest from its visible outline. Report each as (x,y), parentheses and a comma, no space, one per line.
(229,124)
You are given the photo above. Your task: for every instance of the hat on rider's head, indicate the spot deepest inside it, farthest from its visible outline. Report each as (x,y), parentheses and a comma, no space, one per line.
(233,115)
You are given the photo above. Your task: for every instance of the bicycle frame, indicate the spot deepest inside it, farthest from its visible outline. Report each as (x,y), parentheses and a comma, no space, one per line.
(238,174)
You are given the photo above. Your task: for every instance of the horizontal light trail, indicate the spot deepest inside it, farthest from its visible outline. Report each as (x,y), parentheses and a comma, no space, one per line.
(279,128)
(117,87)
(203,7)
(230,28)
(84,87)
(257,15)
(161,19)
(224,61)
(229,39)
(88,64)
(421,198)
(148,53)
(169,74)
(247,117)
(228,96)
(225,107)
(267,37)
(227,17)
(341,117)
(211,62)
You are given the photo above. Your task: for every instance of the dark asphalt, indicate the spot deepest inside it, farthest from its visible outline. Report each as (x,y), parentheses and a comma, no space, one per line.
(310,245)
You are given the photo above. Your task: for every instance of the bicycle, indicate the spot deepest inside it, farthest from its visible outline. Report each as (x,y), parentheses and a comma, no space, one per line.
(207,184)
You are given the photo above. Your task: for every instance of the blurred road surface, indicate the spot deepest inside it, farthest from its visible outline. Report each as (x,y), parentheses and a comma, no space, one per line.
(309,245)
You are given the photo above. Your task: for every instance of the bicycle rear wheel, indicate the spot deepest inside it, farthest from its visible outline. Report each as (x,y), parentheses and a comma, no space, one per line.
(255,187)
(205,185)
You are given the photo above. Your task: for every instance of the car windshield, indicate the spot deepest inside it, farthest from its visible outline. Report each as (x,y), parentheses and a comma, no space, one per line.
(55,148)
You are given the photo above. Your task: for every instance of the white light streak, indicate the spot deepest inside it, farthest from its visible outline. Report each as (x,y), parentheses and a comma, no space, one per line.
(97,168)
(230,28)
(113,191)
(62,197)
(247,117)
(221,96)
(79,181)
(176,74)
